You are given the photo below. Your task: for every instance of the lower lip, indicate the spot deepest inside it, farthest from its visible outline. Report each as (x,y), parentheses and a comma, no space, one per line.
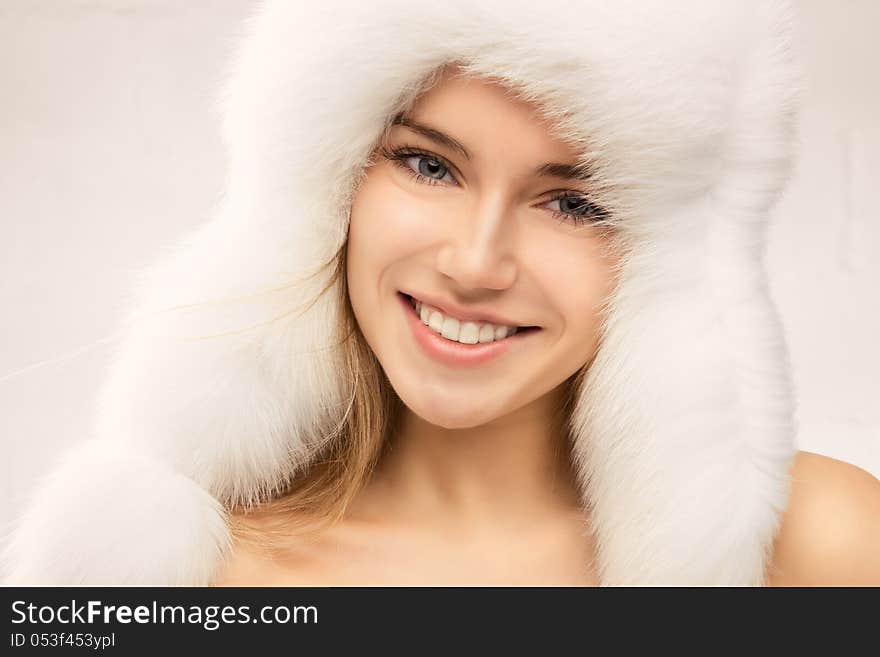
(450,352)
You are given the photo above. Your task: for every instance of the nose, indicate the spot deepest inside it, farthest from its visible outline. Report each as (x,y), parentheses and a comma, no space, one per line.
(479,252)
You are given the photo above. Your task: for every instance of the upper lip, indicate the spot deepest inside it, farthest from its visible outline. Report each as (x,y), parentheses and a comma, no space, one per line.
(474,314)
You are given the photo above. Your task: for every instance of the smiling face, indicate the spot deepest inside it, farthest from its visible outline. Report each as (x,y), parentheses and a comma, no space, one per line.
(481,237)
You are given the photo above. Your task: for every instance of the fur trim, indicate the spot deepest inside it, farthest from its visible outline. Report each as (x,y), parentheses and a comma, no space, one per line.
(683,430)
(108,515)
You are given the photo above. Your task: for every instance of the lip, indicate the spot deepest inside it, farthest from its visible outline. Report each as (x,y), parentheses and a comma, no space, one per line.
(448,308)
(449,352)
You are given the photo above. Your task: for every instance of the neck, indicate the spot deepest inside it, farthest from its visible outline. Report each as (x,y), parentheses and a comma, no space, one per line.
(515,468)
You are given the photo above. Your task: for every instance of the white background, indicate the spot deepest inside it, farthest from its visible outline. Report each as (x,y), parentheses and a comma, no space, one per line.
(109,149)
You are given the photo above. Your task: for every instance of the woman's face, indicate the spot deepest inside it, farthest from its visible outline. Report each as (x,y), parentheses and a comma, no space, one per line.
(475,238)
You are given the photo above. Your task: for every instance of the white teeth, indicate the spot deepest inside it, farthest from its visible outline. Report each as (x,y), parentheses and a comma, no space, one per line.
(435,321)
(459,331)
(450,328)
(487,333)
(469,333)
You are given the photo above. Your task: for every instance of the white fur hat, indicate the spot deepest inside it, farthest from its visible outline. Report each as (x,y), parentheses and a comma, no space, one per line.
(683,430)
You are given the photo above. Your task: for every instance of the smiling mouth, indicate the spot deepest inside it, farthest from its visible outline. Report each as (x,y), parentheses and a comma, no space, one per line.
(411,301)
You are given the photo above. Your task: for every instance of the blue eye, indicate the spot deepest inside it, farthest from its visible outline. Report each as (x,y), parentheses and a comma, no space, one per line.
(432,169)
(579,209)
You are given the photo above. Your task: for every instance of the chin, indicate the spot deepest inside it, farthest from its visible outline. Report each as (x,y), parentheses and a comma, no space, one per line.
(452,412)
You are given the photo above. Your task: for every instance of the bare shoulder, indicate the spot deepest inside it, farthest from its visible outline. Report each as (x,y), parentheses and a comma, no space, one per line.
(241,567)
(250,564)
(830,532)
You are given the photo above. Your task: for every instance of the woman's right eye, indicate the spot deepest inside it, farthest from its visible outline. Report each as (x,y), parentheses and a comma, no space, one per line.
(428,169)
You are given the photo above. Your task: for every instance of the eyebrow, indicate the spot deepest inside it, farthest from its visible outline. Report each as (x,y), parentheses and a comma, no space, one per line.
(549,169)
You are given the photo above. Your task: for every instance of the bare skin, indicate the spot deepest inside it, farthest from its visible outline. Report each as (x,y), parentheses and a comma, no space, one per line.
(412,527)
(477,489)
(830,536)
(363,554)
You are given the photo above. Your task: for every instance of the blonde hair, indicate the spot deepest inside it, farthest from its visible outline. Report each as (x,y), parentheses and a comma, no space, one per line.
(321,494)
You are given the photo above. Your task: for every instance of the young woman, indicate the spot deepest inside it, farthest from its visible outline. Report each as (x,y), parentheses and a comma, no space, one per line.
(483,305)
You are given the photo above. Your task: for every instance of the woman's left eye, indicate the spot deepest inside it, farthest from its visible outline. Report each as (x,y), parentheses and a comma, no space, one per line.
(577,209)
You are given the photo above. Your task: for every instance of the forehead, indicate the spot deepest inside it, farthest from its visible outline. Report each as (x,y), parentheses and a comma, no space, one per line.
(485,115)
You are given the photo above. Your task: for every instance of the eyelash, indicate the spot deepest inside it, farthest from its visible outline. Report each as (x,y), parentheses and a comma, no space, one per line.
(400,154)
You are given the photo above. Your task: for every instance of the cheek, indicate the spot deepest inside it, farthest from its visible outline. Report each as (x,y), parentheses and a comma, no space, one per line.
(386,225)
(575,282)
(386,229)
